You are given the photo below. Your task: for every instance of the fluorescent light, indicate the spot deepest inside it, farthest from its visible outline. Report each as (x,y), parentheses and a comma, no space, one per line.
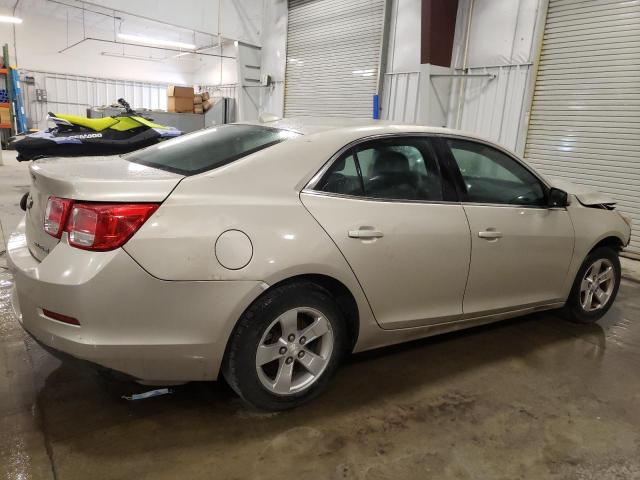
(131,57)
(156,41)
(5,19)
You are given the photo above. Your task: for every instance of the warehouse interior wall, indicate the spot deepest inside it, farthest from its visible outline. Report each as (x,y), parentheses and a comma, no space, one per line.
(502,47)
(274,62)
(493,101)
(405,96)
(239,19)
(216,70)
(504,39)
(402,66)
(49,27)
(400,90)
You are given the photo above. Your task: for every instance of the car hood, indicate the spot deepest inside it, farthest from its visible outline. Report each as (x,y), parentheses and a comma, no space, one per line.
(585,195)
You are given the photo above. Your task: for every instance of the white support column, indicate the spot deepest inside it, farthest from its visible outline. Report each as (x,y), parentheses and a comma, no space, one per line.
(249,69)
(435,93)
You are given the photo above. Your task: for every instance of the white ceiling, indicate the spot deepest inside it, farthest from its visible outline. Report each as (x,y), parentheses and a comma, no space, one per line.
(192,21)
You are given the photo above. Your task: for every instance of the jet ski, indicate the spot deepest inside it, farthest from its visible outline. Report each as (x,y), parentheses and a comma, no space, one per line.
(73,135)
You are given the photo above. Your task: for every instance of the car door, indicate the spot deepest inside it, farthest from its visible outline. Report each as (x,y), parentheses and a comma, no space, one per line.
(521,249)
(398,224)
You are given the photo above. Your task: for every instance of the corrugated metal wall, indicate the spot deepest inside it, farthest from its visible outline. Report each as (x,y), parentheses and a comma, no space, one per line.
(73,94)
(585,117)
(333,57)
(493,105)
(501,43)
(401,97)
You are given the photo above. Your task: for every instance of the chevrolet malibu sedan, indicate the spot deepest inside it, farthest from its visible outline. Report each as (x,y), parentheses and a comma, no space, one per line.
(266,252)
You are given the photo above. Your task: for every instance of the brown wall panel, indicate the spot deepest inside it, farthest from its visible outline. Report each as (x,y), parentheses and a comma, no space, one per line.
(437,30)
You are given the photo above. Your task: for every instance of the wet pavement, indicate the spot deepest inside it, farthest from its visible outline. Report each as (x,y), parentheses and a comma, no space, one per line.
(528,398)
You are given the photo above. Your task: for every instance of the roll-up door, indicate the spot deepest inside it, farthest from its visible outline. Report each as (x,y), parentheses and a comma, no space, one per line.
(585,116)
(333,55)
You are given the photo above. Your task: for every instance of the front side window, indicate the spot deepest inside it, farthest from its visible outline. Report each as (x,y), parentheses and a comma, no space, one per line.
(209,148)
(395,169)
(491,176)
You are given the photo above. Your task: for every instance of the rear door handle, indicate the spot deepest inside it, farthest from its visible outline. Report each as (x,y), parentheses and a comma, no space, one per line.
(490,234)
(364,233)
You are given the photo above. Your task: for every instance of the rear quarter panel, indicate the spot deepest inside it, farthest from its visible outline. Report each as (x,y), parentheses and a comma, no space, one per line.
(258,195)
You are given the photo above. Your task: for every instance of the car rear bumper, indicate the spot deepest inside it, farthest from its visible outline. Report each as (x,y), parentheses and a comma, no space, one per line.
(150,329)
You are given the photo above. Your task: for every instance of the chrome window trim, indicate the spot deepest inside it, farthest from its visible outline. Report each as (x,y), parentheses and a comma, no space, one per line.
(311,184)
(508,205)
(320,193)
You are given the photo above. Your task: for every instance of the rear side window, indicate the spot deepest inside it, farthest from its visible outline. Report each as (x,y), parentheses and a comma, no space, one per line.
(396,169)
(208,149)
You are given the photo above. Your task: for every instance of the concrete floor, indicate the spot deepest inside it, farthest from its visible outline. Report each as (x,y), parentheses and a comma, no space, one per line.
(528,398)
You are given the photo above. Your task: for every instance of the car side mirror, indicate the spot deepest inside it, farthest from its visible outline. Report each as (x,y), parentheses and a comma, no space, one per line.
(557,198)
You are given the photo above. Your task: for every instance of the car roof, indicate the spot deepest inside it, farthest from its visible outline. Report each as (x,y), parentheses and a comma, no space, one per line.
(352,129)
(355,126)
(311,125)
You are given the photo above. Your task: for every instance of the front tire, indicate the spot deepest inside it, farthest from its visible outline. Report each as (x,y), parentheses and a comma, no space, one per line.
(286,347)
(595,287)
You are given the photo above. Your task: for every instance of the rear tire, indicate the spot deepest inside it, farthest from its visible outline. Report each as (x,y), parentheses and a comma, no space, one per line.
(286,347)
(594,288)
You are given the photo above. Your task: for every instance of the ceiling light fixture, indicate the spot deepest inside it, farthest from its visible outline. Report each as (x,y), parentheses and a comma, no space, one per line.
(131,57)
(156,41)
(5,19)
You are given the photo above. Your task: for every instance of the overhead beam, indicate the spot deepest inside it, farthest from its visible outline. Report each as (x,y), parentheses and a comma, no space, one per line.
(166,49)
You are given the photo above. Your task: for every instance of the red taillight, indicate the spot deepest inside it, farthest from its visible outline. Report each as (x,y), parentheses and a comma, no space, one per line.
(100,226)
(55,215)
(95,226)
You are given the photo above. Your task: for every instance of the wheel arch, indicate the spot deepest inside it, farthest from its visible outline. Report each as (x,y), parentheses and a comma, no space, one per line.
(339,291)
(611,241)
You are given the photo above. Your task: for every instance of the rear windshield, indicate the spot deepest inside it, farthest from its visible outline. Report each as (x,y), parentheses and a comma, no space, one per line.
(209,148)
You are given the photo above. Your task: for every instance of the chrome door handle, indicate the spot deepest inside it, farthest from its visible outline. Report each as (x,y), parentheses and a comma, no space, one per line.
(362,233)
(490,234)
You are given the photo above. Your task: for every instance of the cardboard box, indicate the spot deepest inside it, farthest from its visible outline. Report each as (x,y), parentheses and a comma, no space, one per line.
(205,96)
(197,99)
(198,108)
(5,115)
(175,91)
(207,104)
(180,104)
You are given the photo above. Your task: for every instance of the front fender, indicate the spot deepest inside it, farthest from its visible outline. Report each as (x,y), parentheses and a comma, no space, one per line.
(592,226)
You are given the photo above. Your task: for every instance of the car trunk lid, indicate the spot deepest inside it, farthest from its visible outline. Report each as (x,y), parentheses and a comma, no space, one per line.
(95,179)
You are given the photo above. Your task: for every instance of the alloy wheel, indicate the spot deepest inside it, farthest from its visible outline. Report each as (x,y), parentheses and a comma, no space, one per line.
(294,351)
(597,285)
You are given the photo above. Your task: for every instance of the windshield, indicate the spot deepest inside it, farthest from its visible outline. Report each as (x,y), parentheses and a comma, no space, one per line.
(208,148)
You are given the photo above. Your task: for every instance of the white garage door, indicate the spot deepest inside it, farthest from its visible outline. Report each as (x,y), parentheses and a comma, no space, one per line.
(585,117)
(333,54)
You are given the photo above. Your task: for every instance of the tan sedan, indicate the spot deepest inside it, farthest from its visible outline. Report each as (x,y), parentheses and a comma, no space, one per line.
(266,252)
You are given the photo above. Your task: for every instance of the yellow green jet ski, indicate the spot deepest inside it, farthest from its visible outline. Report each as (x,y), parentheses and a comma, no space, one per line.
(75,136)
